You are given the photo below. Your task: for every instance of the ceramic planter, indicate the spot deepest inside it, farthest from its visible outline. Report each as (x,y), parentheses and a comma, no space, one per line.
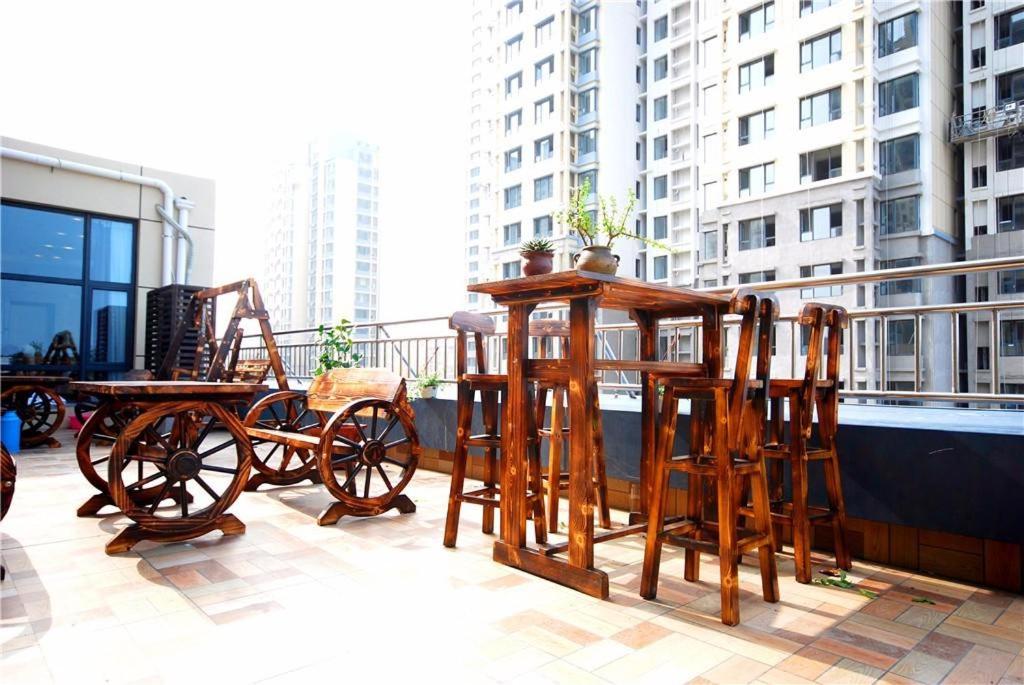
(597,258)
(538,263)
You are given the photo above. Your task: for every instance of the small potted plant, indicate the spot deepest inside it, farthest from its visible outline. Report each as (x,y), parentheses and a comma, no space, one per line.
(598,236)
(427,385)
(538,253)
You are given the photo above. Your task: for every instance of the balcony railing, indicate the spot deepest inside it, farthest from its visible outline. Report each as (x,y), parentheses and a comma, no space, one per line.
(929,363)
(999,120)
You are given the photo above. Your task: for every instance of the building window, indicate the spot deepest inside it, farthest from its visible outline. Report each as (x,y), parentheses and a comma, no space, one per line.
(709,245)
(899,154)
(513,159)
(661,147)
(661,28)
(819,165)
(753,128)
(511,269)
(586,102)
(591,178)
(68,279)
(660,68)
(543,69)
(543,31)
(587,21)
(511,234)
(660,187)
(513,46)
(1010,213)
(821,50)
(1009,152)
(757,179)
(900,215)
(542,109)
(542,227)
(543,188)
(984,359)
(1010,88)
(586,142)
(756,21)
(901,287)
(1011,336)
(978,57)
(660,268)
(586,61)
(513,120)
(757,233)
(818,223)
(757,277)
(897,94)
(757,74)
(543,148)
(513,83)
(660,227)
(821,108)
(810,6)
(661,108)
(513,197)
(900,338)
(979,176)
(897,34)
(1010,28)
(818,270)
(1011,282)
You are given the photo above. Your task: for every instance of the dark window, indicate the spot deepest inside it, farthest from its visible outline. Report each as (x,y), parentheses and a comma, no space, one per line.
(661,147)
(660,68)
(660,227)
(513,83)
(1010,28)
(900,338)
(897,94)
(757,179)
(660,267)
(897,34)
(543,69)
(900,215)
(757,20)
(1011,282)
(756,127)
(984,359)
(542,227)
(821,50)
(757,73)
(1010,152)
(513,159)
(817,223)
(660,28)
(818,270)
(543,148)
(979,176)
(810,6)
(1010,213)
(757,233)
(978,57)
(819,165)
(1011,336)
(899,154)
(543,187)
(513,197)
(757,277)
(981,293)
(660,187)
(586,142)
(1010,87)
(513,120)
(660,108)
(821,108)
(901,287)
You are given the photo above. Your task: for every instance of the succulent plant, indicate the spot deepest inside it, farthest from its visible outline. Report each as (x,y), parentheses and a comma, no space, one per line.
(536,245)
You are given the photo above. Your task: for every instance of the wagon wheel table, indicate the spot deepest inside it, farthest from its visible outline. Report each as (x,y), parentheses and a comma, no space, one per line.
(38,404)
(180,438)
(585,292)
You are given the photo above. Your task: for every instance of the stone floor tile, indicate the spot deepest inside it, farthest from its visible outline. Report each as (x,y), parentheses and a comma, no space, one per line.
(923,667)
(850,672)
(981,665)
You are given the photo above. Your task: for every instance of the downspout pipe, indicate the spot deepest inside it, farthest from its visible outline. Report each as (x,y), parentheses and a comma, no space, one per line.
(167,272)
(186,246)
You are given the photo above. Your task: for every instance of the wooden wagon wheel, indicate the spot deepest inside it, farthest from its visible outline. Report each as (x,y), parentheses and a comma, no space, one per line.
(40,409)
(8,475)
(207,469)
(368,453)
(284,464)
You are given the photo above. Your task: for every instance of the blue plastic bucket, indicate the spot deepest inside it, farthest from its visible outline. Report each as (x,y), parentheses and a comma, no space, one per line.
(10,431)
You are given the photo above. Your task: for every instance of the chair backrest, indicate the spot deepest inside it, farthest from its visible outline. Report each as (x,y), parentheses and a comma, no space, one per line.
(336,388)
(466,324)
(547,330)
(820,317)
(745,303)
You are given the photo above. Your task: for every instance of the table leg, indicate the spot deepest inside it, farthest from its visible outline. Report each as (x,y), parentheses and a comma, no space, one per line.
(583,417)
(514,434)
(648,332)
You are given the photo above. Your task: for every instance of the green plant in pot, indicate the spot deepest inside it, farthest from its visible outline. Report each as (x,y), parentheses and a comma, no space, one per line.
(539,254)
(427,385)
(599,235)
(337,348)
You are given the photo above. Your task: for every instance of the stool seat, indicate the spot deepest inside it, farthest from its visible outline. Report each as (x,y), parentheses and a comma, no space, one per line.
(486,380)
(781,387)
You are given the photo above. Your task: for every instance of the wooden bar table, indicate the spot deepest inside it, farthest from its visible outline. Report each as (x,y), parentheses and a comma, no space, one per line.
(585,292)
(37,403)
(177,441)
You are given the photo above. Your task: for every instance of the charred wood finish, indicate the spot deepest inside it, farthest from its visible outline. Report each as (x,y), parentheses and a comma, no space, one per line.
(354,431)
(37,403)
(803,395)
(586,292)
(8,476)
(727,434)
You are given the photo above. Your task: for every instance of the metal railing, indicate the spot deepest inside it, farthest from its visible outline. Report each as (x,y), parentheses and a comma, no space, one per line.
(999,120)
(907,354)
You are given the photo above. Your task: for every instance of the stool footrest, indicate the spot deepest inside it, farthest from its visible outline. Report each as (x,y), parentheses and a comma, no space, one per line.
(675,535)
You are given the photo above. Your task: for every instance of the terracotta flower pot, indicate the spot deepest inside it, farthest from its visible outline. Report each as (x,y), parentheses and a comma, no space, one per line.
(537,263)
(597,258)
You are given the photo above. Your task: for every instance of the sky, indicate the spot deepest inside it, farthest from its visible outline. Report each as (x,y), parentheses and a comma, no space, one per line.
(226,90)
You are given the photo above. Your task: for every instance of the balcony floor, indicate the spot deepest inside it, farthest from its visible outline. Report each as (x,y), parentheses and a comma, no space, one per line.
(290,601)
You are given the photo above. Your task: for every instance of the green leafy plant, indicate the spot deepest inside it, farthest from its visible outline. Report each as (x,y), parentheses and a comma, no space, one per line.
(337,347)
(611,222)
(425,381)
(839,580)
(536,245)
(922,600)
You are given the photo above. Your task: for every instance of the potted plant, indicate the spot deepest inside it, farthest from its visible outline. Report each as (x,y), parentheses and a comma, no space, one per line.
(427,385)
(598,236)
(337,348)
(538,254)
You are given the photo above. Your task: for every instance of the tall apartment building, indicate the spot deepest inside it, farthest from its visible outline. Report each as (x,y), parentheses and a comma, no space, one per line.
(991,131)
(322,261)
(554,101)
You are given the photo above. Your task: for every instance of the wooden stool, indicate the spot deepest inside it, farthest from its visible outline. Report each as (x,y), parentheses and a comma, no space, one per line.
(803,396)
(557,478)
(726,434)
(492,389)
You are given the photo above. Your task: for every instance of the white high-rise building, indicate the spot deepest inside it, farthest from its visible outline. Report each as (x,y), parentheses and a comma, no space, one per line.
(322,255)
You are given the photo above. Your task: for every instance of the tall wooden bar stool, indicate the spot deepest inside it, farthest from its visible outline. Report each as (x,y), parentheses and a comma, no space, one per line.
(556,480)
(803,395)
(492,389)
(726,434)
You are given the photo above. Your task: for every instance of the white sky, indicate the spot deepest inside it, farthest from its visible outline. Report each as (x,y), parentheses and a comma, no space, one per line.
(223,90)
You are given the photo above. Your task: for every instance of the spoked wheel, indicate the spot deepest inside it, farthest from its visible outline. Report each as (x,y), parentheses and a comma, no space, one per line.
(368,453)
(40,409)
(206,466)
(280,413)
(8,476)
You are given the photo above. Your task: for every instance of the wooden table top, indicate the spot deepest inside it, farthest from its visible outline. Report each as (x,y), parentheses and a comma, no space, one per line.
(613,292)
(167,389)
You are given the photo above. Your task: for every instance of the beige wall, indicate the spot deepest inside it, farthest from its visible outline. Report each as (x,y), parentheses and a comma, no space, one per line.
(24,182)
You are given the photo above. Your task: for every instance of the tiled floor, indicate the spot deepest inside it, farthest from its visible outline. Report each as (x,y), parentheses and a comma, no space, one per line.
(383,599)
